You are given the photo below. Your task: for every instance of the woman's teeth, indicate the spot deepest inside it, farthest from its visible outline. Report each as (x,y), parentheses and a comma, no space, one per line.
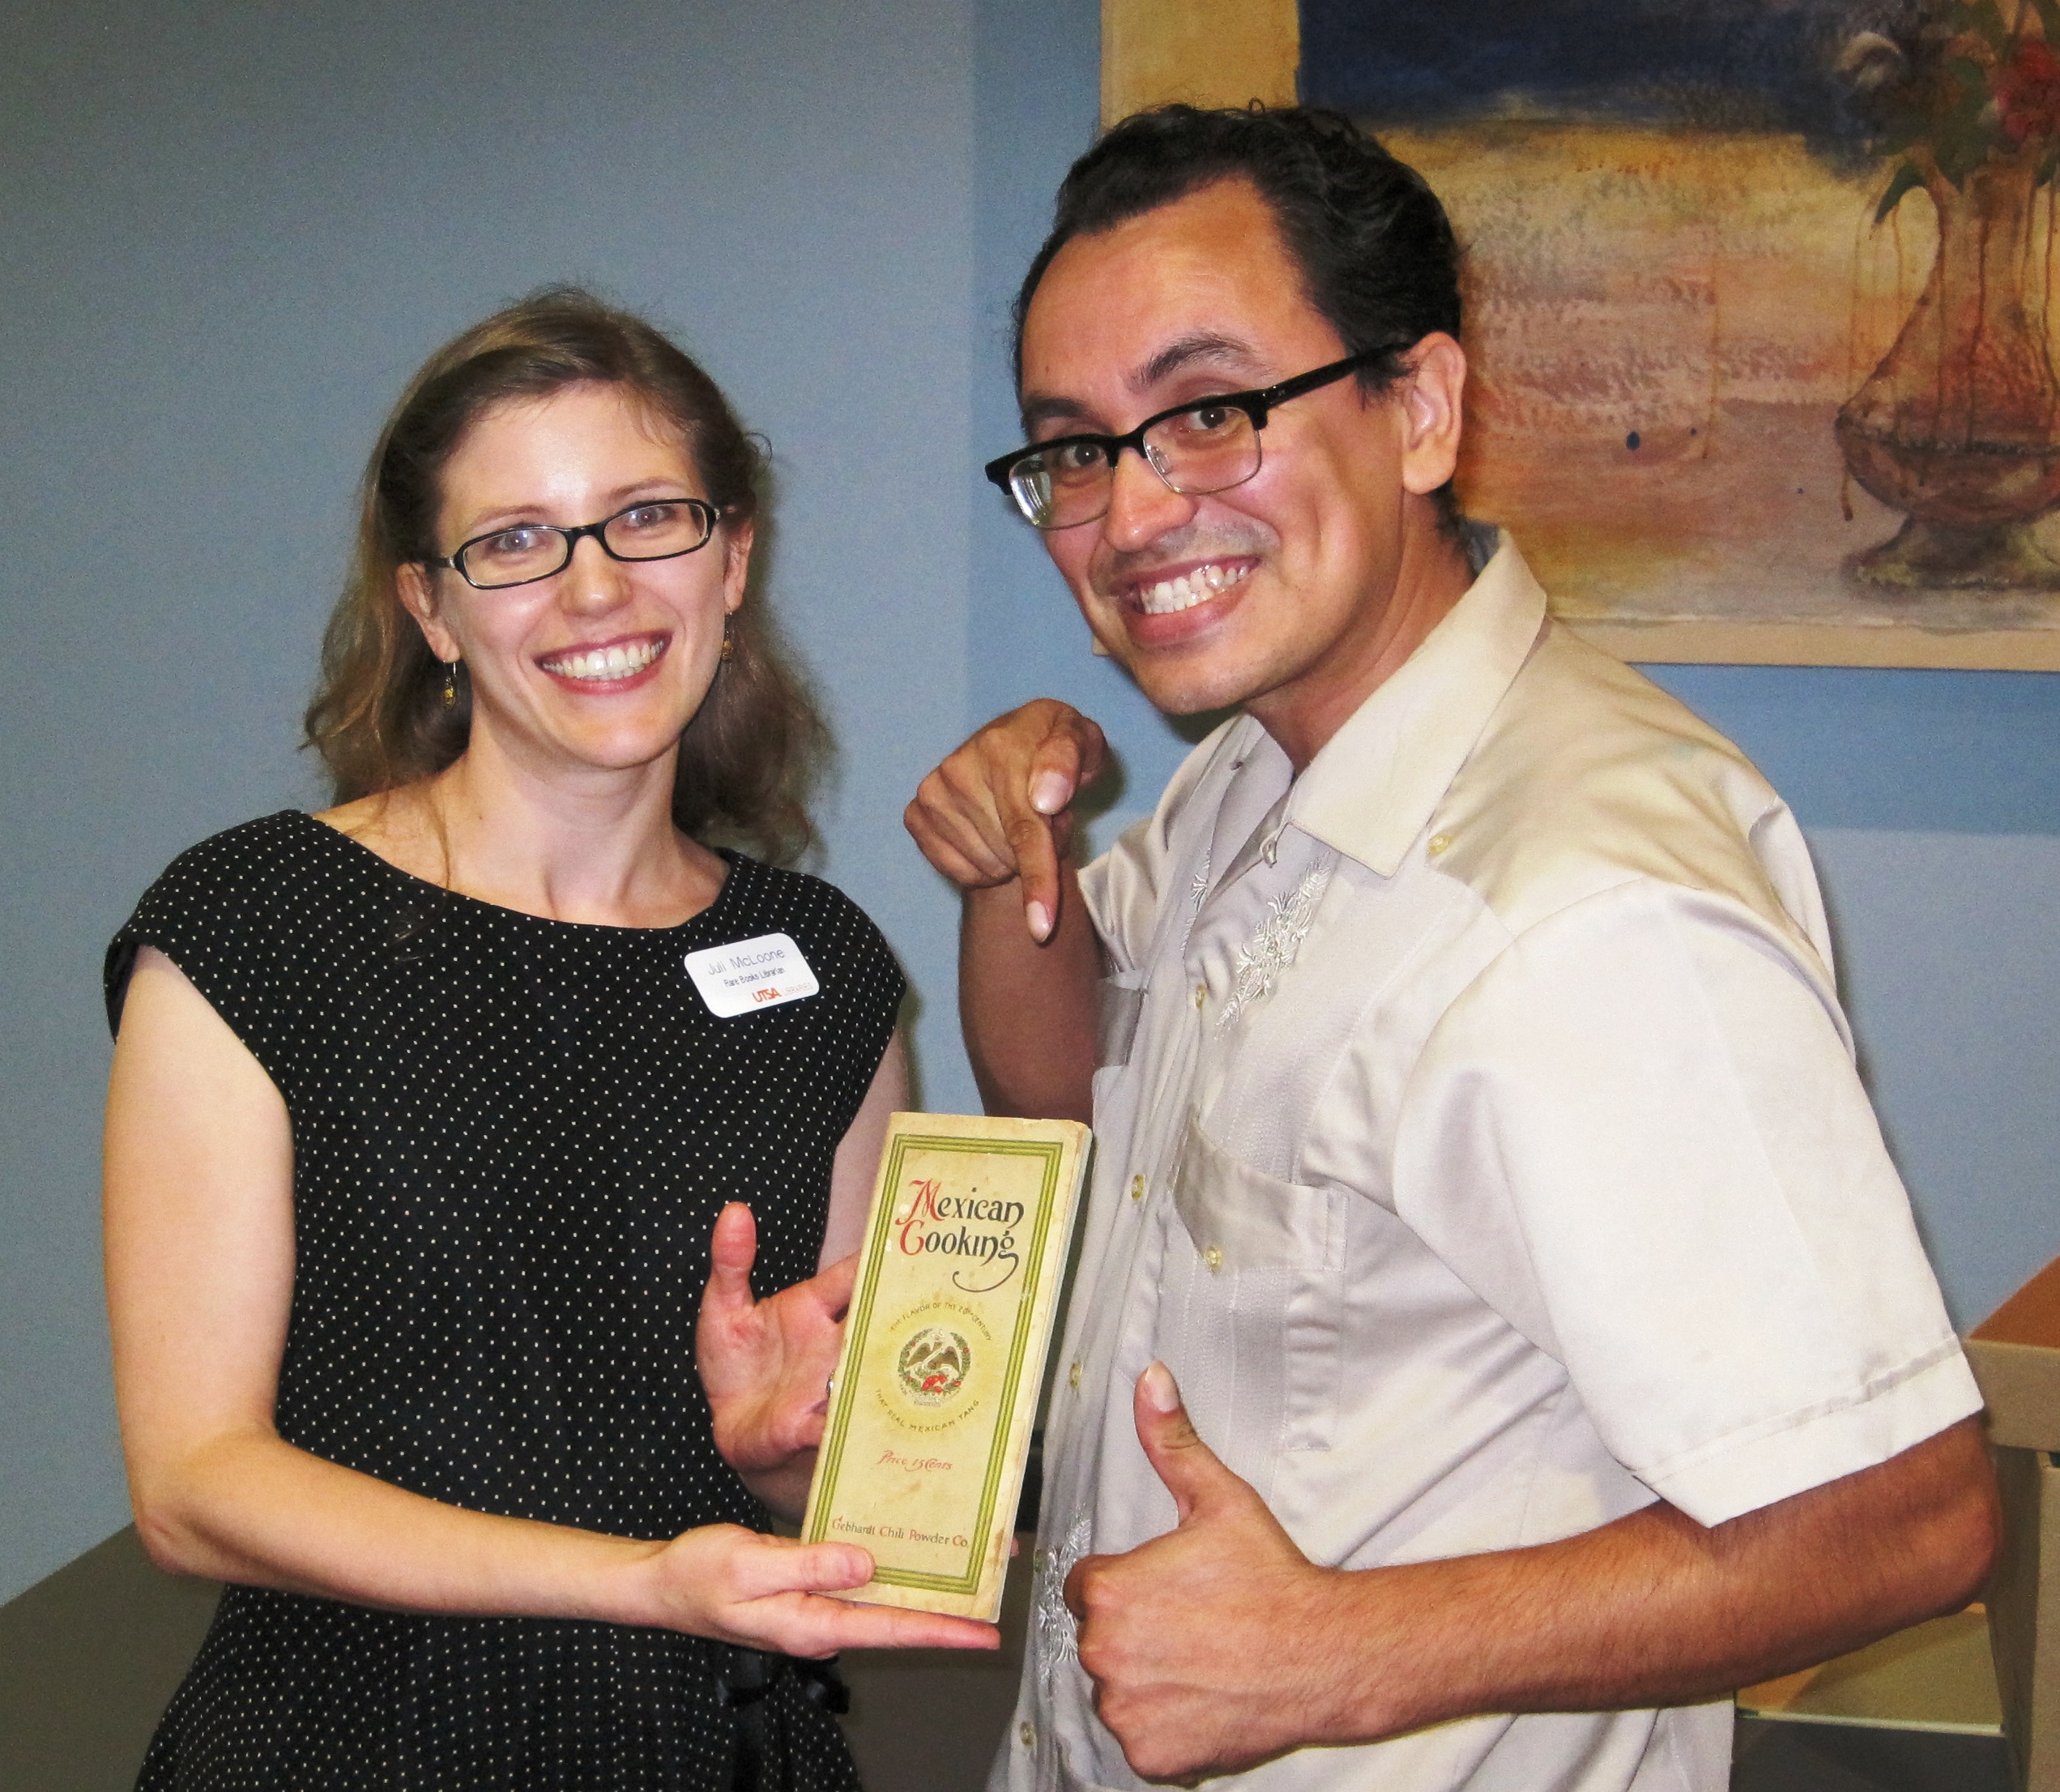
(1188,589)
(601,664)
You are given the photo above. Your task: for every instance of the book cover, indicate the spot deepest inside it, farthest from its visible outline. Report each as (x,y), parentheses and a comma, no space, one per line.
(931,1408)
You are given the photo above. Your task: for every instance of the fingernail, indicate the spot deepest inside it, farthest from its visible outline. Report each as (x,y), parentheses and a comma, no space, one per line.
(1040,920)
(1160,1388)
(1049,791)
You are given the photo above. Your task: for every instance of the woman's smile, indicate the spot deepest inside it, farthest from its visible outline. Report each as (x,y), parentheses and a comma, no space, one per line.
(612,666)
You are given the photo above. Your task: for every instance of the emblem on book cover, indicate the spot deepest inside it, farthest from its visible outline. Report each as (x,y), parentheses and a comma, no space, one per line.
(933,1364)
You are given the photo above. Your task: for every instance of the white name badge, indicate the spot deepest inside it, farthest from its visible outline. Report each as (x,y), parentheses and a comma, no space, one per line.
(751,974)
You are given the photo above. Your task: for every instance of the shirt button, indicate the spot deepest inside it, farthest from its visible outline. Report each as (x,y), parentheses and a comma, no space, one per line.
(1026,1731)
(1439,843)
(1213,1257)
(1136,1188)
(1201,995)
(1073,1376)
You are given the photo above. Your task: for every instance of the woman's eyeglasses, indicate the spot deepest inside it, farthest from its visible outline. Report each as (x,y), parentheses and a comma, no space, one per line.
(523,552)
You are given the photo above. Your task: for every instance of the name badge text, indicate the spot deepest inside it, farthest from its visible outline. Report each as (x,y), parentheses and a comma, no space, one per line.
(748,974)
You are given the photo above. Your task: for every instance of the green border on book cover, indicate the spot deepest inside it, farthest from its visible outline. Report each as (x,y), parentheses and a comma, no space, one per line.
(1052,1151)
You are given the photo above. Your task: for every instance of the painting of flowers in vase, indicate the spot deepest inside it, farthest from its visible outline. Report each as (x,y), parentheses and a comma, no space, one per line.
(1762,307)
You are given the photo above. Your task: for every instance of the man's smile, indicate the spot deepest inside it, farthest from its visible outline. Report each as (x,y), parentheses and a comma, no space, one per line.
(1165,594)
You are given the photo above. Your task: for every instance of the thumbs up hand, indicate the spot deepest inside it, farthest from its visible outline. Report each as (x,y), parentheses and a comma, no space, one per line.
(765,1364)
(1214,1647)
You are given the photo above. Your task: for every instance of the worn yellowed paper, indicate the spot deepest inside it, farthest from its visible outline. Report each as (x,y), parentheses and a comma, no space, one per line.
(930,1412)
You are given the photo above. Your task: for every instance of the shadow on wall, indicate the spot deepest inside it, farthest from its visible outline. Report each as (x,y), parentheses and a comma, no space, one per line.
(89,1659)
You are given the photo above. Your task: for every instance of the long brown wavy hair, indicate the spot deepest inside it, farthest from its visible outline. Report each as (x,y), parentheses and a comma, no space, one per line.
(379,719)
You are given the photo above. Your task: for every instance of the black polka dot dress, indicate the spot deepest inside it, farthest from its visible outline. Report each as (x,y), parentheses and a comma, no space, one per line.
(512,1136)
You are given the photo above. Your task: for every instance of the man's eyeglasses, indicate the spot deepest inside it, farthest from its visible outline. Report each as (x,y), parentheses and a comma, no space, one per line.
(523,552)
(1207,445)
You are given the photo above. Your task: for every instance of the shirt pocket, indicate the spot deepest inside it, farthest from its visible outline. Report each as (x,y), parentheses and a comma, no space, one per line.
(1258,1305)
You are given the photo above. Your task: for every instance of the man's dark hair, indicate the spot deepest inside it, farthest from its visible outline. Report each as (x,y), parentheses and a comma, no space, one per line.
(1376,251)
(1377,254)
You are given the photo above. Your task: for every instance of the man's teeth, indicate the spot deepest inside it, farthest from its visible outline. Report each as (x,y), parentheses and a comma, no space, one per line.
(1188,589)
(599,664)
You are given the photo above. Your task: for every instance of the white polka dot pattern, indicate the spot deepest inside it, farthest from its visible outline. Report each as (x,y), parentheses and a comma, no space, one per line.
(511,1136)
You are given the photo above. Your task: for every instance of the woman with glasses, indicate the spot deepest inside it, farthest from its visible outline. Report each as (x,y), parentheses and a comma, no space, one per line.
(424,1110)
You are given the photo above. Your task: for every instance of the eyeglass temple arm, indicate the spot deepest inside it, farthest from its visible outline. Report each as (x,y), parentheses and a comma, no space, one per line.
(1256,405)
(1259,403)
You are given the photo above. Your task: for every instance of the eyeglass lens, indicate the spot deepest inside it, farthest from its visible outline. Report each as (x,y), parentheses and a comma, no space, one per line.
(531,551)
(1209,449)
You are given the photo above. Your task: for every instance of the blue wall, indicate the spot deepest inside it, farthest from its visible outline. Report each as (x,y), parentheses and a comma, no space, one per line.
(230,230)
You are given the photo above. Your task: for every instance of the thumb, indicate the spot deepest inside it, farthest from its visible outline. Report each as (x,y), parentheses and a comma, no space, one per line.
(731,1250)
(1193,1473)
(1055,769)
(822,1568)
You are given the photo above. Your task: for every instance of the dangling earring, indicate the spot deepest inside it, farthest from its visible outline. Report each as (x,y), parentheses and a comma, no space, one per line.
(450,685)
(729,640)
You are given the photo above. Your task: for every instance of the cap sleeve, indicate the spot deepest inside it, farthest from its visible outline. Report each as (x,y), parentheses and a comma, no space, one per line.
(231,914)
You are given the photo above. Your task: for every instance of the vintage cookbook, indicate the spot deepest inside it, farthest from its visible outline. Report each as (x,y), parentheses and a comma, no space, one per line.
(931,1408)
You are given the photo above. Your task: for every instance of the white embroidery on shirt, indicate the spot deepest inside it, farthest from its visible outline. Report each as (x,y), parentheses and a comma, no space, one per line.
(1197,894)
(1273,943)
(1057,1641)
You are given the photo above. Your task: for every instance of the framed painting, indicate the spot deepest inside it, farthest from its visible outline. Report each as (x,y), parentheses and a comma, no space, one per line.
(1761,297)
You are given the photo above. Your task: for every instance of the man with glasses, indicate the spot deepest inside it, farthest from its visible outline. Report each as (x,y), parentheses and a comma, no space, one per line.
(1496,1298)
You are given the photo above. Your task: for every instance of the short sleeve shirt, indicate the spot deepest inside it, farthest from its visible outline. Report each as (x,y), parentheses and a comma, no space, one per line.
(1480,1144)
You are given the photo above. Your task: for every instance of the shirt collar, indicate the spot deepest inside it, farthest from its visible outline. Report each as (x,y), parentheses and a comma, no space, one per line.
(1374,786)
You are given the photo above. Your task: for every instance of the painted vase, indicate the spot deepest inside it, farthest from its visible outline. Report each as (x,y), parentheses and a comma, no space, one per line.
(1958,427)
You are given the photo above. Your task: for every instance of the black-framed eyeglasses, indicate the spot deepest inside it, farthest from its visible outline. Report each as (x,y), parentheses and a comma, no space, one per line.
(523,552)
(1207,445)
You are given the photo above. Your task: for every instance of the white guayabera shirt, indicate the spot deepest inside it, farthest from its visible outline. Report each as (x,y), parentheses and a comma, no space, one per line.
(1480,1145)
